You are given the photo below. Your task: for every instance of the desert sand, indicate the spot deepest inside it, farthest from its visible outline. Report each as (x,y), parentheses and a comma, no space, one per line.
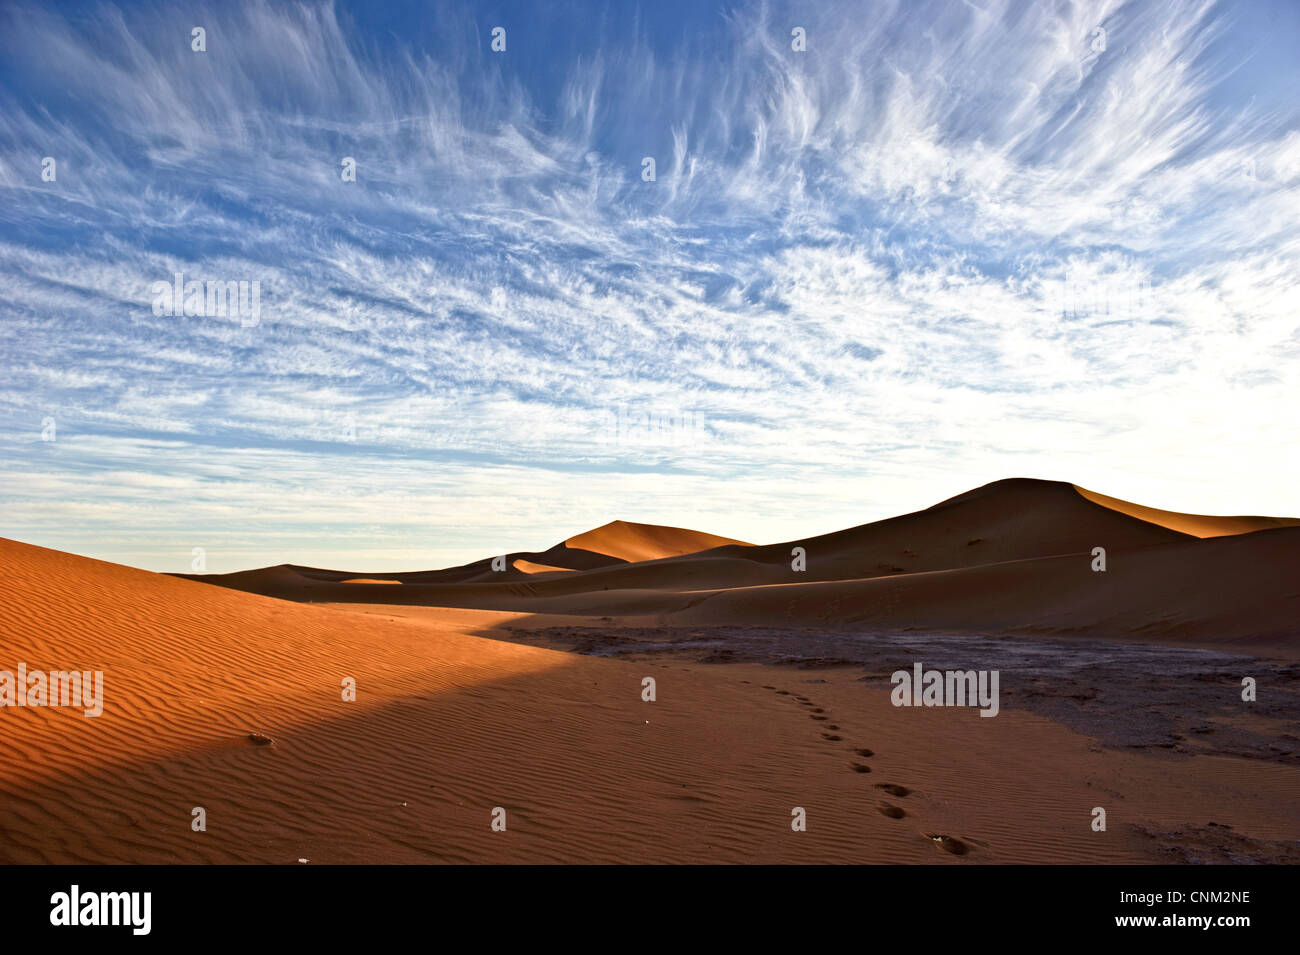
(522,689)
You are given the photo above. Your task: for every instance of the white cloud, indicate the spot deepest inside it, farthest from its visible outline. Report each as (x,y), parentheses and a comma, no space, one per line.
(943,246)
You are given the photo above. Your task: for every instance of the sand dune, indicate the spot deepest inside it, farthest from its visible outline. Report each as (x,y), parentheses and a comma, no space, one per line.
(614,544)
(1198,525)
(639,542)
(1014,519)
(1007,520)
(528,567)
(1012,555)
(231,702)
(1235,591)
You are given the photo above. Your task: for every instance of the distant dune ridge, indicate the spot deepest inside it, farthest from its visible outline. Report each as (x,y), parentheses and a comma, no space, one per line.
(1011,555)
(614,544)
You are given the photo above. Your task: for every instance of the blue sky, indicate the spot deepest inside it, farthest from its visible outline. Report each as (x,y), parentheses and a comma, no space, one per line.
(944,244)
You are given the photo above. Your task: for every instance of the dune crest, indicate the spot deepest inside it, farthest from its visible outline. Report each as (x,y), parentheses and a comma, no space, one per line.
(529,567)
(637,542)
(1198,525)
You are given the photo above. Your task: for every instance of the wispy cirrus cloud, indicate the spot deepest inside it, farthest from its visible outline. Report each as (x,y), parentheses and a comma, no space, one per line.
(945,244)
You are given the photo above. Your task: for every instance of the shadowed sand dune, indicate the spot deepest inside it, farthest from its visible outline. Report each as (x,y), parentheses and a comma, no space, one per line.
(1237,591)
(1015,519)
(231,702)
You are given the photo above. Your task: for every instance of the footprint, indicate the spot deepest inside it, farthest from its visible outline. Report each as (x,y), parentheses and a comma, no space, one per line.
(860,767)
(894,789)
(818,709)
(949,844)
(783,692)
(829,726)
(766,687)
(893,812)
(802,699)
(814,716)
(832,737)
(259,740)
(865,752)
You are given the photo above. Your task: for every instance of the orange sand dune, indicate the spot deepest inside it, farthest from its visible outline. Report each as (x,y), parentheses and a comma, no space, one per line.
(448,725)
(638,542)
(1198,525)
(528,567)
